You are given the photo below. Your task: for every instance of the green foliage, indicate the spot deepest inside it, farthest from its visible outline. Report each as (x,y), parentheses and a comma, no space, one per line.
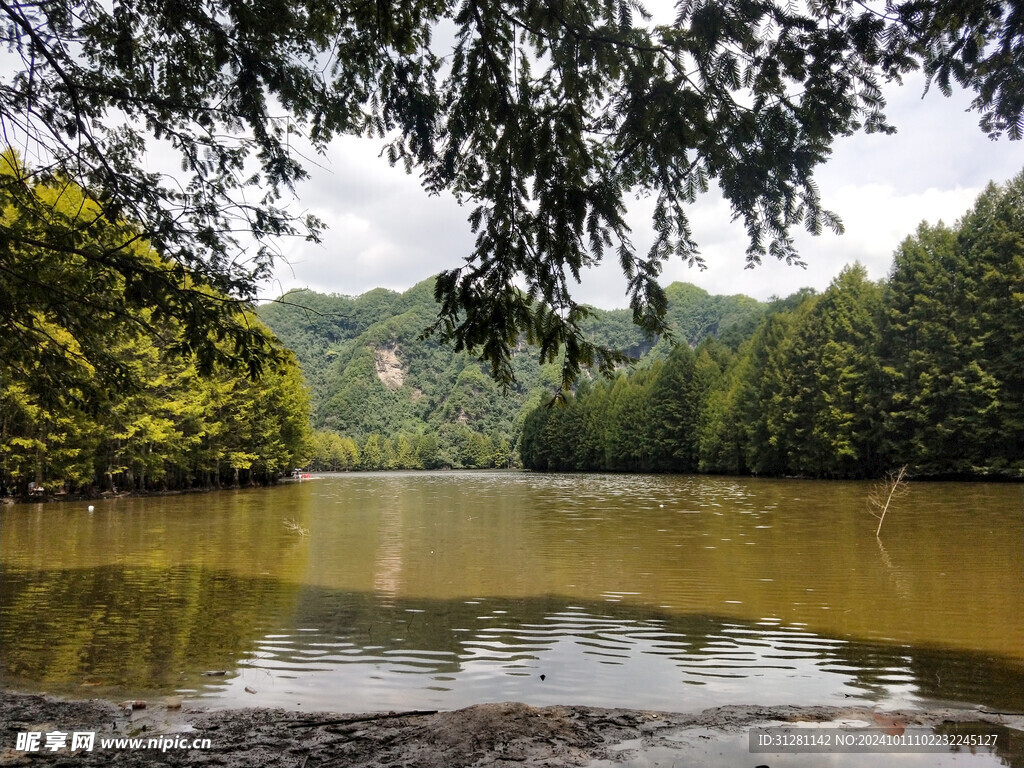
(833,387)
(953,338)
(177,429)
(694,314)
(674,403)
(926,370)
(992,237)
(77,281)
(724,434)
(371,371)
(459,449)
(764,409)
(109,395)
(372,453)
(542,117)
(330,452)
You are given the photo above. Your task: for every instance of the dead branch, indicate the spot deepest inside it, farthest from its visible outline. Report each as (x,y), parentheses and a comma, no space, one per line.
(881,496)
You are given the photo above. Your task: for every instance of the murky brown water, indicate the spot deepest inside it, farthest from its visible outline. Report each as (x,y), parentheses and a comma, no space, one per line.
(440,590)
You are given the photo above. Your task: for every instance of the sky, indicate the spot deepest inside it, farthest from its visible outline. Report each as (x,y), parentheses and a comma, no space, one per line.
(385,231)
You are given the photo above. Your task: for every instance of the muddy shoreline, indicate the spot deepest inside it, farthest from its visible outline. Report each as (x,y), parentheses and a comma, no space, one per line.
(502,735)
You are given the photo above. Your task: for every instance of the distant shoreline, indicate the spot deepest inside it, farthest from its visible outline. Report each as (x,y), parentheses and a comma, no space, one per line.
(106,495)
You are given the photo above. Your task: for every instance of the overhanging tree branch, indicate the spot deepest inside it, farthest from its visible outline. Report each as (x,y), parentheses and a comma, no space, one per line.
(543,115)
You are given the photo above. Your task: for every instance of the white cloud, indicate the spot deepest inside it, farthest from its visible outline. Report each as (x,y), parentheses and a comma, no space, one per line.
(383,229)
(386,231)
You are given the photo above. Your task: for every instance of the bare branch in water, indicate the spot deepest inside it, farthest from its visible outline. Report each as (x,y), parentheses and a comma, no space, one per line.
(894,486)
(291,525)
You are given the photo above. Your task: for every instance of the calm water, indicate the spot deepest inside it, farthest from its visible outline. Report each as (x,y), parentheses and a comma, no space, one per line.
(442,590)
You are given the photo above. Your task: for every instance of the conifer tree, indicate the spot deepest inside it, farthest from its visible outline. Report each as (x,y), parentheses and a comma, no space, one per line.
(834,382)
(673,408)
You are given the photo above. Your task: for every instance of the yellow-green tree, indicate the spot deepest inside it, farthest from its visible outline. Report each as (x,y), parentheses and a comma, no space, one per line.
(104,391)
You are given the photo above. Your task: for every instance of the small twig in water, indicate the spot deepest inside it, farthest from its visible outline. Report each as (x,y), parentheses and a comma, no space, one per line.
(894,486)
(291,525)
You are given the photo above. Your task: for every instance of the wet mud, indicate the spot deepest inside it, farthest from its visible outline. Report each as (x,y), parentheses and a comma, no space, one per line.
(504,735)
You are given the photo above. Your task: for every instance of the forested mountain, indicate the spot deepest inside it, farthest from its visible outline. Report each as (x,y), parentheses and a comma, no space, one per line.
(378,385)
(924,369)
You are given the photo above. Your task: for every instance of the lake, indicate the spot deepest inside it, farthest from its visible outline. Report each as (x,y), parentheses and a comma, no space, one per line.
(360,592)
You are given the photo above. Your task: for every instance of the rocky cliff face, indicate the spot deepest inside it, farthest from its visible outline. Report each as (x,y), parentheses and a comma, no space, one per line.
(388,367)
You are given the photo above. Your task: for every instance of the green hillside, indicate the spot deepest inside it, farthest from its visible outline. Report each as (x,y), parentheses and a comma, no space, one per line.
(373,376)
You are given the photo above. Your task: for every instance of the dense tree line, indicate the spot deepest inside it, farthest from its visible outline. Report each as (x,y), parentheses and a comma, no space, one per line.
(451,447)
(925,369)
(179,429)
(142,413)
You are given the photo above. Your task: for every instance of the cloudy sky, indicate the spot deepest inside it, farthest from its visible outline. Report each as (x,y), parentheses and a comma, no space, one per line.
(385,231)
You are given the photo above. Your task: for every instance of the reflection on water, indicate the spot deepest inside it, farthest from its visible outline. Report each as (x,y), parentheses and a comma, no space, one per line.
(427,654)
(441,590)
(111,631)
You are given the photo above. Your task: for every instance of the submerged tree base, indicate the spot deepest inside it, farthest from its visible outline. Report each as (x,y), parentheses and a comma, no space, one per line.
(483,735)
